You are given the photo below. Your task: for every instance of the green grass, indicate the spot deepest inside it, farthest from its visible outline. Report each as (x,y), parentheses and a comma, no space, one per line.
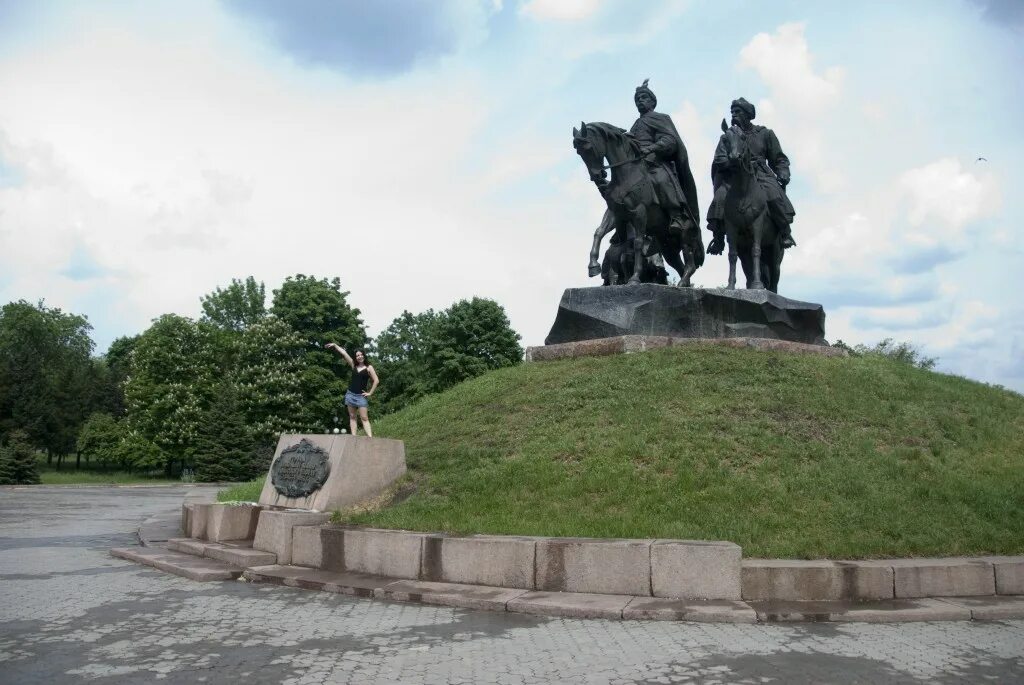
(243,492)
(786,455)
(99,478)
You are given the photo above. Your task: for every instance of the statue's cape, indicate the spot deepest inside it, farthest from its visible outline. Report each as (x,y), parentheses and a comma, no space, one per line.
(662,123)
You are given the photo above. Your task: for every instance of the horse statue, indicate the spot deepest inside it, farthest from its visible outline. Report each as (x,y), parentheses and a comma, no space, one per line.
(617,265)
(749,229)
(631,199)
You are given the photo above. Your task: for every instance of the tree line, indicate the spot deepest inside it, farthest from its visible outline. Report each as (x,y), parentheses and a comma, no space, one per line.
(210,396)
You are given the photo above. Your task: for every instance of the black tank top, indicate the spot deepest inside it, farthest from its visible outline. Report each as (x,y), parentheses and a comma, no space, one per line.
(360,379)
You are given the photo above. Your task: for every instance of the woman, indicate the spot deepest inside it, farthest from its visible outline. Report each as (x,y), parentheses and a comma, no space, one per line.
(357,394)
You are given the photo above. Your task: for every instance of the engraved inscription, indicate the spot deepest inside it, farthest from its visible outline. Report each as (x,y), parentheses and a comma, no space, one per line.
(301,470)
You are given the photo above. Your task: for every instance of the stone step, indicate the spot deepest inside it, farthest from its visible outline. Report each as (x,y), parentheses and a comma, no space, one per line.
(241,556)
(590,605)
(235,552)
(185,565)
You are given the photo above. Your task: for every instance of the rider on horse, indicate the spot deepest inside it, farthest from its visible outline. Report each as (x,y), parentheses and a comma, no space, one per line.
(666,160)
(766,154)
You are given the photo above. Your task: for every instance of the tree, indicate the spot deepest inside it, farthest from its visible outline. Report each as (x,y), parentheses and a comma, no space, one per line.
(269,372)
(236,307)
(318,310)
(47,375)
(18,461)
(470,338)
(224,446)
(100,439)
(175,368)
(400,357)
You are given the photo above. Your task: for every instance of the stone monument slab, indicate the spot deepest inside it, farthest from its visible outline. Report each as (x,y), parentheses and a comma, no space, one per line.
(327,472)
(659,310)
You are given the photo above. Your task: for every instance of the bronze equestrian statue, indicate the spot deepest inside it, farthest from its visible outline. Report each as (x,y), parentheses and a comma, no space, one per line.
(750,208)
(651,194)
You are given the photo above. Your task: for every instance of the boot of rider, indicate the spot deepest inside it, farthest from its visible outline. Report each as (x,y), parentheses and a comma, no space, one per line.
(717,234)
(787,237)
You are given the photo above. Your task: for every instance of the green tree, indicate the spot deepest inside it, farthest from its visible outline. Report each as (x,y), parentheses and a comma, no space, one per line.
(99,439)
(224,446)
(470,338)
(18,463)
(269,371)
(400,358)
(318,310)
(47,376)
(175,368)
(236,307)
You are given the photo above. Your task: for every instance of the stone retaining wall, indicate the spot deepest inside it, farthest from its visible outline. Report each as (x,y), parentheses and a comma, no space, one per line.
(683,569)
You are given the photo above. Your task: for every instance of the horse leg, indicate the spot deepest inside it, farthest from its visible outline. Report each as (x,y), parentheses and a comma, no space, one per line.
(731,237)
(639,222)
(755,251)
(606,226)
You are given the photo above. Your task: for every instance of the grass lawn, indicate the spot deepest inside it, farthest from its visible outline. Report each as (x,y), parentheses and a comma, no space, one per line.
(72,477)
(789,456)
(243,492)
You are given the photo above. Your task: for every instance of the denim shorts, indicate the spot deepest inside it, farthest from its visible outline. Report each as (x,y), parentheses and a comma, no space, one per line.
(354,400)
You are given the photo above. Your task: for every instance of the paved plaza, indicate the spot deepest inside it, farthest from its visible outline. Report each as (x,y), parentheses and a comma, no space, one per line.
(71,613)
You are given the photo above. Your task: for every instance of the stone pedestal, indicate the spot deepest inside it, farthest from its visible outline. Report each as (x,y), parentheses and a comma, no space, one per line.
(318,472)
(658,310)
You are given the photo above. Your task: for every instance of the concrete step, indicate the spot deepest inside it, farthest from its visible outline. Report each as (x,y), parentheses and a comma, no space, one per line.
(185,565)
(236,552)
(241,556)
(588,605)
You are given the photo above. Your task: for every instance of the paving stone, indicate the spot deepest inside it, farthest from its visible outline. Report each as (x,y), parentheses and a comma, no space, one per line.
(449,594)
(879,611)
(569,604)
(185,565)
(704,611)
(997,608)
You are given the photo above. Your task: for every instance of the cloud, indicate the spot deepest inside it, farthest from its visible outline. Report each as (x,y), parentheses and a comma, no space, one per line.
(1006,13)
(944,198)
(560,10)
(369,38)
(800,97)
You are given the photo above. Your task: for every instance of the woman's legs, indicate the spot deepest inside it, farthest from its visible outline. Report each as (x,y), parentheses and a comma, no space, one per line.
(351,419)
(365,418)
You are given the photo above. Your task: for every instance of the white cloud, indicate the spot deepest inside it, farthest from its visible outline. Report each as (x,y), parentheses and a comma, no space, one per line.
(800,99)
(560,10)
(945,198)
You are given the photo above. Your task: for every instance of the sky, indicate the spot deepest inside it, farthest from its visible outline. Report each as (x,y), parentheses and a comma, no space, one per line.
(422,152)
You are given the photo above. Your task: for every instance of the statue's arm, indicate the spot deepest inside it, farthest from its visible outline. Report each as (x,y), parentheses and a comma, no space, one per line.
(664,146)
(777,159)
(719,164)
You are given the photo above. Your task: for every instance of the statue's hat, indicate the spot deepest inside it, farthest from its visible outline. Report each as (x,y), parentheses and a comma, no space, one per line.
(745,106)
(642,88)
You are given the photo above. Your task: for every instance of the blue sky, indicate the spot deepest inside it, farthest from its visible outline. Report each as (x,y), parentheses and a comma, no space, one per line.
(149,152)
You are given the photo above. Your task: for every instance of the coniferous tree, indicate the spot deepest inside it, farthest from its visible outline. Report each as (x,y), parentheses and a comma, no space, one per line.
(224,445)
(22,459)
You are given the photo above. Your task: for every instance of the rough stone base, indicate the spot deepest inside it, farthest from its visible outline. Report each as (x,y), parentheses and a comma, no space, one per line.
(628,344)
(649,309)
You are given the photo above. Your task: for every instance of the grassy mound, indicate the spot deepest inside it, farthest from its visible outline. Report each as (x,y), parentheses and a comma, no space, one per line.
(789,456)
(786,455)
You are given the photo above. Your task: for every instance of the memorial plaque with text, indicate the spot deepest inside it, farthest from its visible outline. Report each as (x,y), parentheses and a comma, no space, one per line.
(300,470)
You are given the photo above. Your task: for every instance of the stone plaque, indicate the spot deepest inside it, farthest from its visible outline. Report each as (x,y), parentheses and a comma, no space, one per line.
(300,470)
